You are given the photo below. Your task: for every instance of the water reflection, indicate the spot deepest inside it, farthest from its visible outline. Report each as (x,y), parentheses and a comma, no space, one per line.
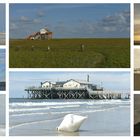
(61,133)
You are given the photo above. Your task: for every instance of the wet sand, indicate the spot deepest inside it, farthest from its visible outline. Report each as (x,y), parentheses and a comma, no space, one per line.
(38,118)
(2,115)
(2,130)
(136,81)
(110,124)
(2,39)
(2,42)
(136,115)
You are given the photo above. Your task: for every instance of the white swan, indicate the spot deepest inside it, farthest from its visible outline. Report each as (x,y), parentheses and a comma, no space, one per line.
(71,123)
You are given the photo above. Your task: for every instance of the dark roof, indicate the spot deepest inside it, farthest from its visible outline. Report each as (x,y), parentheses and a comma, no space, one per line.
(46,82)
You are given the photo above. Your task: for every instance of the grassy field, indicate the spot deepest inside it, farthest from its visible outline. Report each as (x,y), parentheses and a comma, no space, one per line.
(67,53)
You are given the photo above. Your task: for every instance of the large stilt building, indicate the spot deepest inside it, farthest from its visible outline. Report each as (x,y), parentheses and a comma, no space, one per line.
(71,89)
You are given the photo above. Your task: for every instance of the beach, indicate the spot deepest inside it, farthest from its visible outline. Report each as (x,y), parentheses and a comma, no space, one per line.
(136,58)
(41,117)
(2,115)
(2,39)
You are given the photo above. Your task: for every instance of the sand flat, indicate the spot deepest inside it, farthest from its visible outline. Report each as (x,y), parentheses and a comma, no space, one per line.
(2,115)
(137,58)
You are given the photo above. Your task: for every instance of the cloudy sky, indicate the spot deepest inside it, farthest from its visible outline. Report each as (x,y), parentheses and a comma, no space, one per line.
(2,18)
(137,22)
(109,80)
(2,65)
(70,20)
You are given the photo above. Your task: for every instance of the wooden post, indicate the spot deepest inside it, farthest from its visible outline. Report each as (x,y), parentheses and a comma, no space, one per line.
(17,48)
(32,48)
(48,49)
(82,47)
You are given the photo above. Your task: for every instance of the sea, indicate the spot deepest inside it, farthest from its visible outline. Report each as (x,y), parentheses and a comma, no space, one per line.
(41,117)
(2,115)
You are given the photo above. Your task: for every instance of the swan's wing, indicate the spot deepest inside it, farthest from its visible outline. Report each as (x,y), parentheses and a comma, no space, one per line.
(77,121)
(66,122)
(71,122)
(68,119)
(78,118)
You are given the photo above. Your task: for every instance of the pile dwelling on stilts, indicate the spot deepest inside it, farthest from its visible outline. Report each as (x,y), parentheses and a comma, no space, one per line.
(43,34)
(70,89)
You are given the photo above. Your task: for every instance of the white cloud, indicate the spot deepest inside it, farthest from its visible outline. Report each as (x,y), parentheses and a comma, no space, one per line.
(41,13)
(13,26)
(24,19)
(37,21)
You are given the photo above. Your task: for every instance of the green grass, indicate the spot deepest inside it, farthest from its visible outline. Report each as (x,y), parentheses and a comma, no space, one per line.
(66,53)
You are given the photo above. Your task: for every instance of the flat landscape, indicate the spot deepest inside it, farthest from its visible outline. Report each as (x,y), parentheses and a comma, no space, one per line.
(69,53)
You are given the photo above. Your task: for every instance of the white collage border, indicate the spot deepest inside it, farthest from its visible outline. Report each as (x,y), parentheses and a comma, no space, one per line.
(131,2)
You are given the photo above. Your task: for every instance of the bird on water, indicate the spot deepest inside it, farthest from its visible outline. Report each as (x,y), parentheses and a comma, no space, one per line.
(71,123)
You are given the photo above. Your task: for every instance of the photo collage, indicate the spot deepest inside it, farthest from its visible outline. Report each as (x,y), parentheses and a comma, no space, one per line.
(69,69)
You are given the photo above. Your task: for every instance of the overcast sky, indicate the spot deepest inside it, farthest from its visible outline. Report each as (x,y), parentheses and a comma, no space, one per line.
(2,17)
(71,20)
(2,64)
(109,80)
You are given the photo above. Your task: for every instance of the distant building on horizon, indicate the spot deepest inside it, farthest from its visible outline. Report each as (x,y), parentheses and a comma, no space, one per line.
(43,34)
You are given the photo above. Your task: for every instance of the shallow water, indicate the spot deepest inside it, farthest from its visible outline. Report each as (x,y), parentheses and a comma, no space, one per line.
(41,117)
